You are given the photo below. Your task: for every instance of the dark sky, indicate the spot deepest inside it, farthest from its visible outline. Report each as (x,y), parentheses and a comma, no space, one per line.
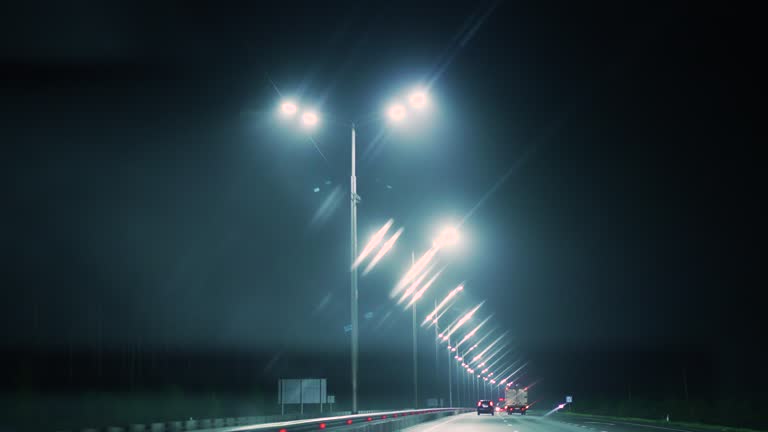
(148,188)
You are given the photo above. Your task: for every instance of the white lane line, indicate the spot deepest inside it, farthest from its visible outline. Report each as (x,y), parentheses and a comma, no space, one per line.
(609,424)
(450,419)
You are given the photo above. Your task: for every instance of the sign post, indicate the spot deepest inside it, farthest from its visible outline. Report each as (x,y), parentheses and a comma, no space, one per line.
(300,392)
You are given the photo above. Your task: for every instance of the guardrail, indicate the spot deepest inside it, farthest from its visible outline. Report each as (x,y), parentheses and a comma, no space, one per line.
(366,420)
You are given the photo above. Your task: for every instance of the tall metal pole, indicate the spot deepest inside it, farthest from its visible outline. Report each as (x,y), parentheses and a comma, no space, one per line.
(353,282)
(458,381)
(415,347)
(450,384)
(437,355)
(477,387)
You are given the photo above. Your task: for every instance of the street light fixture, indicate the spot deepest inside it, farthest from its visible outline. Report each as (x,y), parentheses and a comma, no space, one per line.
(396,112)
(309,118)
(418,99)
(449,236)
(288,108)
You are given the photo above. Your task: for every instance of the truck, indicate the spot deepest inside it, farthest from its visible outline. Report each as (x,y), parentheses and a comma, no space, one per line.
(516,400)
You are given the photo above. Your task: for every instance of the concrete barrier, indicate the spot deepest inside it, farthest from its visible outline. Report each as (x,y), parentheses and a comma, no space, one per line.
(174,426)
(400,423)
(377,425)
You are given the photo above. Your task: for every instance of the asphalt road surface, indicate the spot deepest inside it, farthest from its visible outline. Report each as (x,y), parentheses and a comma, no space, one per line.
(536,423)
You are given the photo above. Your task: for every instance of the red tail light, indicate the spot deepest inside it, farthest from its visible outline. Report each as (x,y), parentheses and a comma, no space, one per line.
(322,425)
(478,403)
(491,403)
(349,421)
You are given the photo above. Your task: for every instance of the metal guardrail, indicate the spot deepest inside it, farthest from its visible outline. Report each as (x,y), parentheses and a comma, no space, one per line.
(349,422)
(288,423)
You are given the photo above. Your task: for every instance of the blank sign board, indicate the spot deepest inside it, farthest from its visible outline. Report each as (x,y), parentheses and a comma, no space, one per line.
(301,391)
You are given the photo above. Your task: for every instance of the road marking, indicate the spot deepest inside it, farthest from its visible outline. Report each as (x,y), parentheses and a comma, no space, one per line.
(450,419)
(609,424)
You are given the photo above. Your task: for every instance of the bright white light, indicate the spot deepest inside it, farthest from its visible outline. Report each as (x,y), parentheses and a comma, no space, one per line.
(472,333)
(309,118)
(482,353)
(418,99)
(415,285)
(396,112)
(463,319)
(423,289)
(443,303)
(448,237)
(383,251)
(288,108)
(375,240)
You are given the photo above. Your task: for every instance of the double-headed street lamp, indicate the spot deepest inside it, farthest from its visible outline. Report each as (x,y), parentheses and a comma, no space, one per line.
(397,112)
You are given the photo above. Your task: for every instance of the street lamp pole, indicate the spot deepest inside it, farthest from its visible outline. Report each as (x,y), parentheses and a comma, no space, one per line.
(450,384)
(437,354)
(353,249)
(415,347)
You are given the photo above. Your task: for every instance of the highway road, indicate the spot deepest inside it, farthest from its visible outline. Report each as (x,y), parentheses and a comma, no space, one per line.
(536,423)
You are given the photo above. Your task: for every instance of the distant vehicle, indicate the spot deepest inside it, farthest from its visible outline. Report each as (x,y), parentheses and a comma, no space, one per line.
(516,400)
(485,406)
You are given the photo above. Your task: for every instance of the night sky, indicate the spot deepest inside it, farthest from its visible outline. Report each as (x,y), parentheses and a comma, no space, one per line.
(605,155)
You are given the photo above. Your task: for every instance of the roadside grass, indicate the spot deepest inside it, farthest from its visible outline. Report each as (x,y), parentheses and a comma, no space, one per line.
(662,422)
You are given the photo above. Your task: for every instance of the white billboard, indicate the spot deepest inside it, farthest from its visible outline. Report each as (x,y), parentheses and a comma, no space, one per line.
(302,391)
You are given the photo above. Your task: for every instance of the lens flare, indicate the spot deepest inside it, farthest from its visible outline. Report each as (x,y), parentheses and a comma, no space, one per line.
(375,240)
(516,371)
(479,356)
(424,289)
(443,303)
(472,333)
(416,269)
(415,284)
(388,245)
(463,320)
